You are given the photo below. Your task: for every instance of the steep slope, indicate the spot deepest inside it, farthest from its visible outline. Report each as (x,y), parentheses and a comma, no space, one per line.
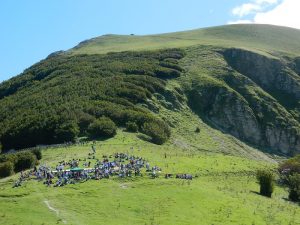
(58,98)
(242,80)
(243,93)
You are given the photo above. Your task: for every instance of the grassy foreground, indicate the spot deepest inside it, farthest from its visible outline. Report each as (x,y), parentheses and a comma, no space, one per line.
(224,193)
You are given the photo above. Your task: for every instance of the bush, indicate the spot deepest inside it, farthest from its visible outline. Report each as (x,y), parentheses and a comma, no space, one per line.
(197,130)
(38,153)
(131,126)
(103,127)
(6,169)
(289,168)
(68,131)
(84,121)
(294,187)
(159,131)
(25,160)
(266,182)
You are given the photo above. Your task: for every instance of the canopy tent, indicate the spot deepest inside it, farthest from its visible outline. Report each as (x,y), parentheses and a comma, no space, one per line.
(76,169)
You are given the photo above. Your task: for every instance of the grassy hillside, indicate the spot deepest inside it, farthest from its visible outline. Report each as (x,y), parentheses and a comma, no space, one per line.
(221,102)
(224,193)
(264,38)
(250,94)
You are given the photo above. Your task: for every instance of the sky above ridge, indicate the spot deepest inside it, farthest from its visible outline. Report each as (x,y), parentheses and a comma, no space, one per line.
(31,29)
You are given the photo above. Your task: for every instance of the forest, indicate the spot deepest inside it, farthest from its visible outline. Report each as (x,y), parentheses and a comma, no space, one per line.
(57,99)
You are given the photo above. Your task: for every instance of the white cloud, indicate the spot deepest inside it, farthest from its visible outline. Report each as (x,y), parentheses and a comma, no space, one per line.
(246,9)
(285,13)
(266,1)
(252,7)
(240,21)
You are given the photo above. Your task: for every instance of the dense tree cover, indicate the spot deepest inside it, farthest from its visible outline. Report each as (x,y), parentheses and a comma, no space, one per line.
(57,99)
(266,179)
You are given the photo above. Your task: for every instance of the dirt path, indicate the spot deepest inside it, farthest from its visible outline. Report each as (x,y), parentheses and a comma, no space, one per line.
(54,210)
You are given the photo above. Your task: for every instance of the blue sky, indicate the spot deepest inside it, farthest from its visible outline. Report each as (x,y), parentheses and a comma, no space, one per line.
(32,29)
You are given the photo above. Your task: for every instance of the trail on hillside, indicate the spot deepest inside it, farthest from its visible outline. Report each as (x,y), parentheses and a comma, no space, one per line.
(54,210)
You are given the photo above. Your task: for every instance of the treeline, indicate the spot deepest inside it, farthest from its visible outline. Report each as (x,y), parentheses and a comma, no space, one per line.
(59,98)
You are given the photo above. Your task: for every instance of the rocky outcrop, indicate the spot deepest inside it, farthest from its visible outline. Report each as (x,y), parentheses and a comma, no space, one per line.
(247,97)
(226,110)
(269,73)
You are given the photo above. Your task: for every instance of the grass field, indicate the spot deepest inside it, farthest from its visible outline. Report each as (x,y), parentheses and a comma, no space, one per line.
(225,191)
(260,38)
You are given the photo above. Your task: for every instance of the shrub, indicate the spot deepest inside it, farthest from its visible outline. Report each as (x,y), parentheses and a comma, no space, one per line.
(103,127)
(84,121)
(131,126)
(25,160)
(159,131)
(38,153)
(197,130)
(266,182)
(288,168)
(294,187)
(6,169)
(8,157)
(68,131)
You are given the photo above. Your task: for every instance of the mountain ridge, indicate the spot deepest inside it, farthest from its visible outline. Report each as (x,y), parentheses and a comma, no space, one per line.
(220,35)
(240,90)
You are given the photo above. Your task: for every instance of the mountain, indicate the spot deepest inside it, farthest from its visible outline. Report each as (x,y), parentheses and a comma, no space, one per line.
(238,85)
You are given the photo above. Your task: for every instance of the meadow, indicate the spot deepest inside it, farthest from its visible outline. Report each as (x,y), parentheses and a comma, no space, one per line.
(224,191)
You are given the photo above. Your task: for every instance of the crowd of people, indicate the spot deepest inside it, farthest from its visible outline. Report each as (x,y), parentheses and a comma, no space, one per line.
(120,165)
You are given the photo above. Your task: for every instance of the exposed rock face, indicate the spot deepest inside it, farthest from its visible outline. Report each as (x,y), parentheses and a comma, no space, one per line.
(227,111)
(250,99)
(270,74)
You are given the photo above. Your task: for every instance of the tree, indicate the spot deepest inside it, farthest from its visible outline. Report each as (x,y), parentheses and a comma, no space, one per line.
(25,160)
(6,169)
(131,126)
(266,181)
(38,153)
(157,130)
(103,127)
(67,131)
(294,187)
(85,120)
(289,168)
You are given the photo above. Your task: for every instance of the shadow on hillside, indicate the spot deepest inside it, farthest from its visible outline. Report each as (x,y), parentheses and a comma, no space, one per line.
(144,137)
(87,139)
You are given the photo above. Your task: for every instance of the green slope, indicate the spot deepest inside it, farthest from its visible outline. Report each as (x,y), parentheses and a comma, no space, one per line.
(240,79)
(256,37)
(238,85)
(224,193)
